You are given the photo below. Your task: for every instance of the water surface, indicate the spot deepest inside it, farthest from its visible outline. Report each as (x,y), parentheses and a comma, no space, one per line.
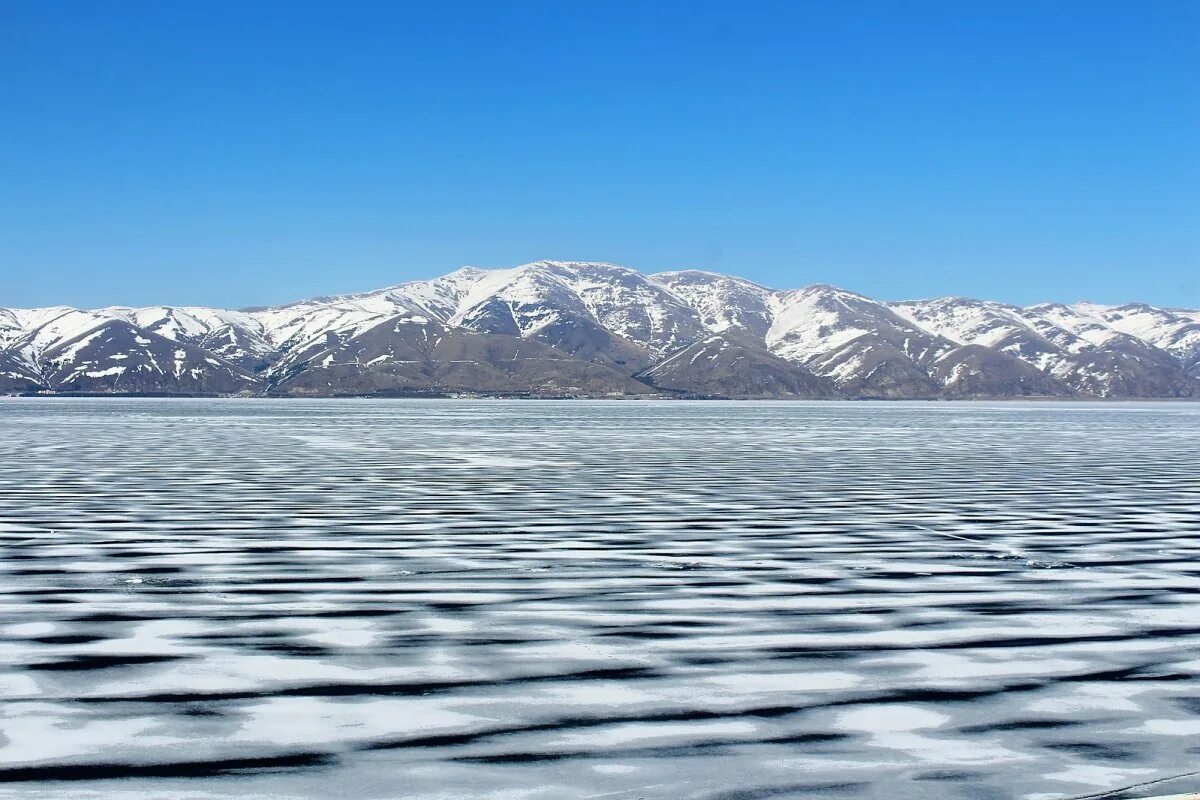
(559,600)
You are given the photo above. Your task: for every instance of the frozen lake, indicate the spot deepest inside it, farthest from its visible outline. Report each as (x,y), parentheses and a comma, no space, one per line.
(561,600)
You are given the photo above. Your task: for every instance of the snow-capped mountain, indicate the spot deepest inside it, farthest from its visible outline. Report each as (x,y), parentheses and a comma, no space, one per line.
(1176,331)
(1067,343)
(573,328)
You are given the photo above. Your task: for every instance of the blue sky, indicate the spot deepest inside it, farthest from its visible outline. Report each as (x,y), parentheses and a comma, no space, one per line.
(237,153)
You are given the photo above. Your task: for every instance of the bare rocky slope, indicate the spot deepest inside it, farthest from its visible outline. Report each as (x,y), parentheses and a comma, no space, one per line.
(564,329)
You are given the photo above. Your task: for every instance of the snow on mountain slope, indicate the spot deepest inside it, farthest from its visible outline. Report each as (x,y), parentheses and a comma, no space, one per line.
(236,336)
(320,330)
(290,327)
(723,302)
(239,345)
(440,298)
(979,322)
(867,349)
(421,355)
(975,371)
(1115,363)
(1176,331)
(1070,347)
(812,322)
(17,376)
(592,309)
(536,304)
(688,331)
(1054,318)
(629,304)
(298,329)
(517,302)
(807,323)
(730,364)
(119,356)
(185,323)
(44,328)
(10,328)
(1107,373)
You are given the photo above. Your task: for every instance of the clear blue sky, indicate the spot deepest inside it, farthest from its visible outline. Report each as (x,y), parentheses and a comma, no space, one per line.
(236,153)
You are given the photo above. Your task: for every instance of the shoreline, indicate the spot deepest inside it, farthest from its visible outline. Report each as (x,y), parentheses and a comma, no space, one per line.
(592,398)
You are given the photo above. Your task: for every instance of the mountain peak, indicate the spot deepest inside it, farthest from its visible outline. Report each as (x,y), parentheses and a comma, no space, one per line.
(591,327)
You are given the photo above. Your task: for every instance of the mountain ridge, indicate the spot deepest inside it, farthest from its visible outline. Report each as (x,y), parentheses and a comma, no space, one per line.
(571,328)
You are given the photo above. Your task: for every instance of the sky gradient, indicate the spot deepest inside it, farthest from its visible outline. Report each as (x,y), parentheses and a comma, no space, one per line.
(234,153)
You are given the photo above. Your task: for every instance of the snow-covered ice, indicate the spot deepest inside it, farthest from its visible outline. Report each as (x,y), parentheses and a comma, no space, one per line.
(552,601)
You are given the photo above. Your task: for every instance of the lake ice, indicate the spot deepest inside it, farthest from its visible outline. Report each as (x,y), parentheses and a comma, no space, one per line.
(549,600)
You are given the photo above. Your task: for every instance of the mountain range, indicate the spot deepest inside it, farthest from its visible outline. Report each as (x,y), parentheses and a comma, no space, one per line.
(563,329)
